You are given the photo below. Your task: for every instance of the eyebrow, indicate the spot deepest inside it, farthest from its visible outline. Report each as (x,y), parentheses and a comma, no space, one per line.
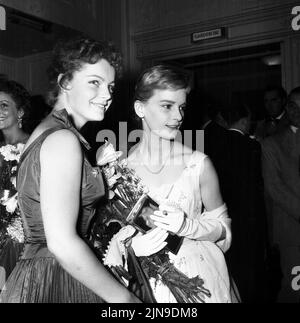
(6,101)
(166,101)
(171,102)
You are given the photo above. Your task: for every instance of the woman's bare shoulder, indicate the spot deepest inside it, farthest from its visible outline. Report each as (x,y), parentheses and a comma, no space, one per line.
(182,151)
(48,123)
(62,139)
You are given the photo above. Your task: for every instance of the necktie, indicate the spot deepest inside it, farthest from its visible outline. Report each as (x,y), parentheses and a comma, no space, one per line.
(271,125)
(273,121)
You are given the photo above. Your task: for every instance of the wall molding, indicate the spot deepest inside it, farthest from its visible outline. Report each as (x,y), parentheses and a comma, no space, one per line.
(267,23)
(8,66)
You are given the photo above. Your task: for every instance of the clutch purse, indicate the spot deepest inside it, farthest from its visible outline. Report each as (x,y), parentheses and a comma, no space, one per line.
(136,219)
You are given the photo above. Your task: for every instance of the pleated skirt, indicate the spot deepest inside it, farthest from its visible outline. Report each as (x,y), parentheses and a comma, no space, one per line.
(43,280)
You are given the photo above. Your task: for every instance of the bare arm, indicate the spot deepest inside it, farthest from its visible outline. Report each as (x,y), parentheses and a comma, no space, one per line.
(61,174)
(209,184)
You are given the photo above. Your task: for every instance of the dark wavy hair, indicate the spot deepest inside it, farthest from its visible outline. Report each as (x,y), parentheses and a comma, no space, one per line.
(21,98)
(69,57)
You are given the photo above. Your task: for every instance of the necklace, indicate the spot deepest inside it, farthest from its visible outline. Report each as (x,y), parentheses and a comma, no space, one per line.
(162,166)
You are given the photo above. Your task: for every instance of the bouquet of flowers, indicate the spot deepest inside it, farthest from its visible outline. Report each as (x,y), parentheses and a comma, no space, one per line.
(115,229)
(10,219)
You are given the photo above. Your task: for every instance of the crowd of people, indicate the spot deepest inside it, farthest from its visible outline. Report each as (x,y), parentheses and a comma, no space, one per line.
(257,168)
(234,207)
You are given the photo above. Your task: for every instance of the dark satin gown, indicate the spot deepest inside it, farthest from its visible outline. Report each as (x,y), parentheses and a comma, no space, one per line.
(38,277)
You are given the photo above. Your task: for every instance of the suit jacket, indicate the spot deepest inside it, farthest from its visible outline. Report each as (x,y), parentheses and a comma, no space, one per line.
(281,163)
(214,146)
(266,128)
(281,169)
(242,188)
(243,184)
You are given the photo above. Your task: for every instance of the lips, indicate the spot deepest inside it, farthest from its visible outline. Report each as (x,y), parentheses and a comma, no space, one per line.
(102,106)
(174,127)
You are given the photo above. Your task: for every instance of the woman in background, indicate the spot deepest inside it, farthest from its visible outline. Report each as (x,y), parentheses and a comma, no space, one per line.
(14,116)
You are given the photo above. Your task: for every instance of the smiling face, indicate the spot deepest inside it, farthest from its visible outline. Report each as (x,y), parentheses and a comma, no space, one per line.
(89,94)
(293,110)
(274,103)
(8,112)
(163,112)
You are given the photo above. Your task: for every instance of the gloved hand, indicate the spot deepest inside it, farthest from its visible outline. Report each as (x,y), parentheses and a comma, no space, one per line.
(169,218)
(150,243)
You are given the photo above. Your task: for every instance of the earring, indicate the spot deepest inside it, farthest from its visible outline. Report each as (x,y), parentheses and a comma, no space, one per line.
(20,125)
(143,118)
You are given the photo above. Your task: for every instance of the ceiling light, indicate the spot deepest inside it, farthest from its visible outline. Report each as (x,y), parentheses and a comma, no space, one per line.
(272,60)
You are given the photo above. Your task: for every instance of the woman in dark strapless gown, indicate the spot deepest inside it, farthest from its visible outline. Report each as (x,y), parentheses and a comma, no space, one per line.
(58,188)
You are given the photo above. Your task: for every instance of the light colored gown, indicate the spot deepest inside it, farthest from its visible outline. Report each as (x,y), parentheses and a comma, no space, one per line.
(196,256)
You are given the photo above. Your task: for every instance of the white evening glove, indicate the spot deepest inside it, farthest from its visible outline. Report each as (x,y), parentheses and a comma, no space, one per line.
(169,218)
(211,226)
(149,243)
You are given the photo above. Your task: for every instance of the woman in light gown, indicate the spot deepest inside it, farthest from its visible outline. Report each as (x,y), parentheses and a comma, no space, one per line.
(183,182)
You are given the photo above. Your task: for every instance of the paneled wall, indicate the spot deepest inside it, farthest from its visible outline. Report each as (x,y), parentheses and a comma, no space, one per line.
(159,14)
(162,29)
(30,71)
(83,15)
(7,66)
(152,30)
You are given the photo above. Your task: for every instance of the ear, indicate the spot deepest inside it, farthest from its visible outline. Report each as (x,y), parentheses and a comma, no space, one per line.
(139,109)
(63,83)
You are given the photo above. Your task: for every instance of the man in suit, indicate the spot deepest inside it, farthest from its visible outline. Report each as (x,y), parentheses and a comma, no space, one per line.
(281,169)
(214,136)
(243,194)
(202,105)
(276,119)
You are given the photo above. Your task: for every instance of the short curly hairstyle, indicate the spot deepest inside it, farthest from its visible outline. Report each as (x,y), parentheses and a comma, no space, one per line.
(69,57)
(21,98)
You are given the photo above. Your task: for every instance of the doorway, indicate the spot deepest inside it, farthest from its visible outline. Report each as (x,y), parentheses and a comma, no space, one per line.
(235,76)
